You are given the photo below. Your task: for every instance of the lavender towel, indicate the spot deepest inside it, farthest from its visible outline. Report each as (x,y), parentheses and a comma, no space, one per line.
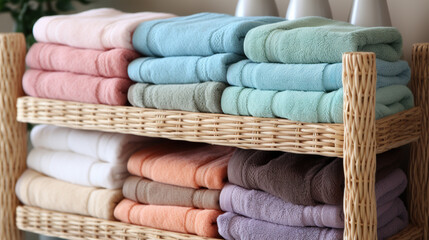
(233,226)
(264,206)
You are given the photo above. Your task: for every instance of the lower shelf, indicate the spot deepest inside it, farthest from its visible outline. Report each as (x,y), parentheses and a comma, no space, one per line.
(72,226)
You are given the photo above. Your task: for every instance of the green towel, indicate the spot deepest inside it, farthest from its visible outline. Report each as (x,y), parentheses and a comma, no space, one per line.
(319,40)
(199,97)
(315,107)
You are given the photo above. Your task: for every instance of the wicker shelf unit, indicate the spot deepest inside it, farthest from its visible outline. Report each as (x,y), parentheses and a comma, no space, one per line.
(357,141)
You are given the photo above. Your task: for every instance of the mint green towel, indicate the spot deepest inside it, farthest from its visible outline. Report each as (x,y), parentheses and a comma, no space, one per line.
(319,40)
(201,34)
(199,97)
(315,107)
(182,70)
(308,77)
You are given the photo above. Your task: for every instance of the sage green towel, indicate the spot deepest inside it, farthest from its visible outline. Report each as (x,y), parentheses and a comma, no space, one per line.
(198,97)
(319,40)
(316,107)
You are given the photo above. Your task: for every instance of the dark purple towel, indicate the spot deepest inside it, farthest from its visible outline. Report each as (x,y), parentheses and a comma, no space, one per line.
(298,178)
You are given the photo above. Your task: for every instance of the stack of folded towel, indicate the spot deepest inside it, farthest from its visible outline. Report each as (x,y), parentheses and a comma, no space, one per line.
(280,195)
(294,70)
(188,60)
(84,57)
(175,186)
(77,171)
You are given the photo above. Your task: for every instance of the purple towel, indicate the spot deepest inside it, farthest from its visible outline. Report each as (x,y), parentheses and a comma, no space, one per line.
(233,226)
(264,206)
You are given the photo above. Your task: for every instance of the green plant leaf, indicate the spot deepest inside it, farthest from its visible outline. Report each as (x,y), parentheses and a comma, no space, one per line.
(64,5)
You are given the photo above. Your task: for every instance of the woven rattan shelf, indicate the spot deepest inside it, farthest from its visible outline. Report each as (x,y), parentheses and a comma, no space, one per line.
(238,131)
(357,141)
(72,226)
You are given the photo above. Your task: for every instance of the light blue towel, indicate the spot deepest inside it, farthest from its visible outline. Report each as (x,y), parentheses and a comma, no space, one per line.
(201,34)
(308,77)
(319,40)
(315,107)
(182,70)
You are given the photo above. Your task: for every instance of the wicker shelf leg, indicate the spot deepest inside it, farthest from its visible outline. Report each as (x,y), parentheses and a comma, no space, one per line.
(13,135)
(419,161)
(360,212)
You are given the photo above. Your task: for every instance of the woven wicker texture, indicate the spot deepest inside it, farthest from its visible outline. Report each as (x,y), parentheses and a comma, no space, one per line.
(71,226)
(410,233)
(419,162)
(244,132)
(360,210)
(13,135)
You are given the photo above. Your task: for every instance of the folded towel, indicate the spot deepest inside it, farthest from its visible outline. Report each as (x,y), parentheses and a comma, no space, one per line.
(75,87)
(37,190)
(319,40)
(77,168)
(149,192)
(320,179)
(264,206)
(103,28)
(181,70)
(309,77)
(183,164)
(108,147)
(179,219)
(201,34)
(316,107)
(53,57)
(197,97)
(232,226)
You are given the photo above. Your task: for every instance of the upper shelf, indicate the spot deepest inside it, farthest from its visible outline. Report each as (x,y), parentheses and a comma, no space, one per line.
(238,131)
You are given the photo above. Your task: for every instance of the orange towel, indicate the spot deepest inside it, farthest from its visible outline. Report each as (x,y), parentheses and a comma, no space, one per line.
(179,219)
(184,164)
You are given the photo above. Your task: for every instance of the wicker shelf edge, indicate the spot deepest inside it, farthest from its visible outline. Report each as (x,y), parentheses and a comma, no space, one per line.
(72,226)
(238,131)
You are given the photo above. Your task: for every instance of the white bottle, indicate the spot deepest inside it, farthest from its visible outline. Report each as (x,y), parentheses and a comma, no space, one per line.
(370,13)
(256,8)
(304,8)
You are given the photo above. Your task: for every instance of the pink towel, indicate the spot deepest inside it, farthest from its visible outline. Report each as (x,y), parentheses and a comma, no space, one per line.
(75,87)
(53,57)
(103,28)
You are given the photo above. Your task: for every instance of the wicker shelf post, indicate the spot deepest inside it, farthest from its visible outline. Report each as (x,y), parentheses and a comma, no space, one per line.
(419,161)
(13,135)
(359,79)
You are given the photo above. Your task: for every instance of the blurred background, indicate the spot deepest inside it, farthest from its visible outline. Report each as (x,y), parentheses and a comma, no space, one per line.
(410,17)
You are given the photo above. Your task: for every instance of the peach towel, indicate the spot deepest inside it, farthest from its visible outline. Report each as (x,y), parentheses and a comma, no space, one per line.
(38,190)
(103,28)
(76,87)
(184,164)
(201,222)
(53,57)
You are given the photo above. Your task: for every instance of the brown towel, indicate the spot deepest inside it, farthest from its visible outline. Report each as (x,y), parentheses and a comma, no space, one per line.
(297,178)
(149,192)
(38,190)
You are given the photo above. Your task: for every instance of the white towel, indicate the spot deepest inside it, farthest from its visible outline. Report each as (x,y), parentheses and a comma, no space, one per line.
(77,168)
(109,147)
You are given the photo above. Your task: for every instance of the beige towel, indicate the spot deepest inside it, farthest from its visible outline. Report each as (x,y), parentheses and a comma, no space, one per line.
(38,190)
(149,192)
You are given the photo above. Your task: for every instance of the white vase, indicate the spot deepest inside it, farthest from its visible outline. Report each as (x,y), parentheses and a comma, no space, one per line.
(304,8)
(370,13)
(256,8)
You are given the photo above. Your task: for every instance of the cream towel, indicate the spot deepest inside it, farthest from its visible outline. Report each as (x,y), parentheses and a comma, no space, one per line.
(35,189)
